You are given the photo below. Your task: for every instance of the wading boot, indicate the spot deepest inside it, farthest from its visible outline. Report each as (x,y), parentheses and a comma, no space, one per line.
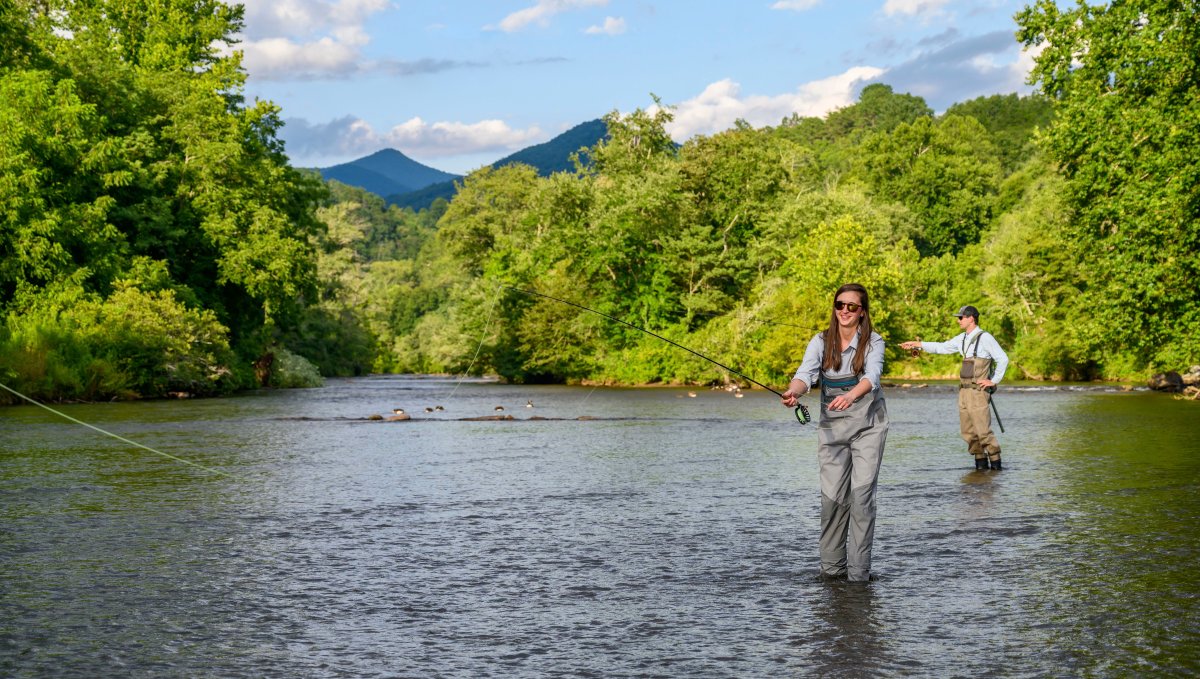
(981,464)
(996,464)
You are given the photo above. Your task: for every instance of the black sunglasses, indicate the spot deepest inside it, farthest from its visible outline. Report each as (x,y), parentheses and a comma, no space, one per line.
(847,305)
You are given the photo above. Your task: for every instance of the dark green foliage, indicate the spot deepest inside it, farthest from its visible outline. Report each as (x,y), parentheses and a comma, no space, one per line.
(1011,122)
(944,171)
(147,217)
(879,109)
(1126,81)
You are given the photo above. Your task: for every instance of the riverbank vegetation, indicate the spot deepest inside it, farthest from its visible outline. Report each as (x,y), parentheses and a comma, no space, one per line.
(155,240)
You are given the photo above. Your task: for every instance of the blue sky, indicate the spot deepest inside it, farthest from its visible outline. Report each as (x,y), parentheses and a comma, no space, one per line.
(457,84)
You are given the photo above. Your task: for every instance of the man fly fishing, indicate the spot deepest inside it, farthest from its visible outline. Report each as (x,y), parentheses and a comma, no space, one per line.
(983,366)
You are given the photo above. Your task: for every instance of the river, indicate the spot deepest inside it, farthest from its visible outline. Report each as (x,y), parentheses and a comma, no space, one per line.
(662,535)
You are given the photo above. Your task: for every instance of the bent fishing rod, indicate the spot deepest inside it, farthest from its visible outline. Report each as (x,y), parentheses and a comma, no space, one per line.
(800,411)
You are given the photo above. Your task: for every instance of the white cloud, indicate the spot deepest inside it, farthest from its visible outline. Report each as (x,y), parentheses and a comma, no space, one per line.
(306,38)
(541,12)
(301,18)
(1023,66)
(913,7)
(275,58)
(612,26)
(722,103)
(347,138)
(796,5)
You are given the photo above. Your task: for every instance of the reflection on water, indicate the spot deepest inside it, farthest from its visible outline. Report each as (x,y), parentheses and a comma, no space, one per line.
(666,536)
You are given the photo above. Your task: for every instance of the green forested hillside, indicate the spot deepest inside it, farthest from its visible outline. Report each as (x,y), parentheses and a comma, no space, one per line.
(154,238)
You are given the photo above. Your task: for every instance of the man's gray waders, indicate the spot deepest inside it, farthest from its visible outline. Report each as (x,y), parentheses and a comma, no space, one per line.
(850,451)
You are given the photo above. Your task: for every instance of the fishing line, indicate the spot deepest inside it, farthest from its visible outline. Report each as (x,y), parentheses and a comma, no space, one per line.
(482,338)
(801,412)
(108,433)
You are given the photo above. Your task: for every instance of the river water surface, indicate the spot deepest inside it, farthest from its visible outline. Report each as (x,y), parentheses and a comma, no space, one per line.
(662,535)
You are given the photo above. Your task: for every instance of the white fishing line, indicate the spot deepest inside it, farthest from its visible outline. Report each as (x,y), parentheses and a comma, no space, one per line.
(109,433)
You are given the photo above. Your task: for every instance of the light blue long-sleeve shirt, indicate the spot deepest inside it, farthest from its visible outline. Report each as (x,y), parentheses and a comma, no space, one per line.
(814,354)
(988,348)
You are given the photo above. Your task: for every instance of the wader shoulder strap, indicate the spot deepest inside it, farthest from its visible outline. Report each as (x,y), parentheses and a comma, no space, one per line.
(974,347)
(974,367)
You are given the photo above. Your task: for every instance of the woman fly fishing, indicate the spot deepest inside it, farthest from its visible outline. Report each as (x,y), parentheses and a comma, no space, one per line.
(846,361)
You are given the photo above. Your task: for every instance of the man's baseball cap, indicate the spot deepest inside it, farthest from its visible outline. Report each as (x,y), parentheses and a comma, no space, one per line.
(968,310)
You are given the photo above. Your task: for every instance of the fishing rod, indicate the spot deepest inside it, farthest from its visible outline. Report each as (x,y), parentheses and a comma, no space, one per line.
(990,391)
(801,411)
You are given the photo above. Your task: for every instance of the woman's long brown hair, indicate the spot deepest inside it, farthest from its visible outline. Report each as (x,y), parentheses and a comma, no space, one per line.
(833,345)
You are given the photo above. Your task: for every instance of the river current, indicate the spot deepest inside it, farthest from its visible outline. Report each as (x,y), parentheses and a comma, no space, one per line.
(600,532)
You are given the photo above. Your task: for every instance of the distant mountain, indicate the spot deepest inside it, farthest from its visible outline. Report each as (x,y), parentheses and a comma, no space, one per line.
(548,158)
(555,155)
(363,178)
(386,173)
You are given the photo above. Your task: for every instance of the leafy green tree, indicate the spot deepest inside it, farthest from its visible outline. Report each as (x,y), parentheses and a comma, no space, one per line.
(733,179)
(834,142)
(486,223)
(635,141)
(1011,121)
(879,109)
(945,171)
(638,204)
(124,139)
(1124,79)
(51,222)
(1031,282)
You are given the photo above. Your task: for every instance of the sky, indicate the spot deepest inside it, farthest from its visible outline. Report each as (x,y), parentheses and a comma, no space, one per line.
(459,84)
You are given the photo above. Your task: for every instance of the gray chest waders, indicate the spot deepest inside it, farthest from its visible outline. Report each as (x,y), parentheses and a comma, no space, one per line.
(850,450)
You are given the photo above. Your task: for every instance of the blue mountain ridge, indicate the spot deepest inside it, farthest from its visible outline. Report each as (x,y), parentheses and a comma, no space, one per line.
(405,182)
(386,172)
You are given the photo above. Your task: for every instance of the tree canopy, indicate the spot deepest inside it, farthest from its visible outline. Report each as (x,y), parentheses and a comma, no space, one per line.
(154,238)
(1125,79)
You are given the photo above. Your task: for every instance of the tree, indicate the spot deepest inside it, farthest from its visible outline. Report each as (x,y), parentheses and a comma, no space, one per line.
(945,171)
(124,138)
(834,141)
(1011,121)
(879,109)
(1031,283)
(1125,77)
